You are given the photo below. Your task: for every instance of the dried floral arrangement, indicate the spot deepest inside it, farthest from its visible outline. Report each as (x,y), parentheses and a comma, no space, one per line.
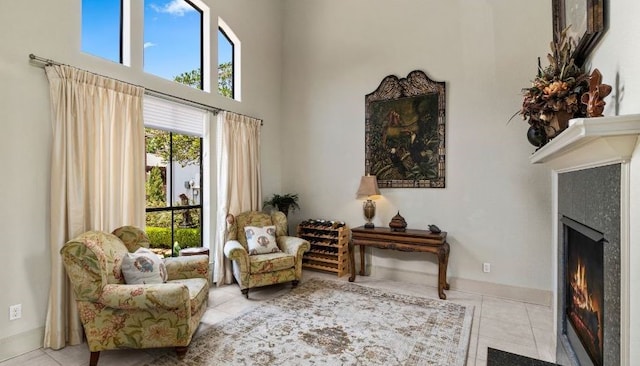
(593,99)
(555,94)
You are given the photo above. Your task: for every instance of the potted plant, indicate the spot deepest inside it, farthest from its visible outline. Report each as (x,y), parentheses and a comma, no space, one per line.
(283,203)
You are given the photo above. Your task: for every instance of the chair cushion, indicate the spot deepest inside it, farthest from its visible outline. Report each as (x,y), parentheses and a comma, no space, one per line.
(251,218)
(261,240)
(143,267)
(132,237)
(198,291)
(271,262)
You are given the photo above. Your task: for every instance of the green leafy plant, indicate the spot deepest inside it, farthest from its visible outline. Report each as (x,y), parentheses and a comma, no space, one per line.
(160,237)
(185,149)
(225,79)
(191,78)
(156,195)
(283,203)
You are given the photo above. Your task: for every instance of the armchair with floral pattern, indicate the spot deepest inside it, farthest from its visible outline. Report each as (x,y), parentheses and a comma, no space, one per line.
(116,315)
(263,269)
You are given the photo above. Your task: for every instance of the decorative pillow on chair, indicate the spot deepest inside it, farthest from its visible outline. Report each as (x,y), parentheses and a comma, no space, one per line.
(261,240)
(143,267)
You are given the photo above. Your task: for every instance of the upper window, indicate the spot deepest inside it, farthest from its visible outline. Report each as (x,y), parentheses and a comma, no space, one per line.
(225,64)
(102,29)
(228,61)
(173,41)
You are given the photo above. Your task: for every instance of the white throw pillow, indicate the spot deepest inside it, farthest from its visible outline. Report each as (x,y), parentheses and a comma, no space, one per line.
(261,240)
(143,267)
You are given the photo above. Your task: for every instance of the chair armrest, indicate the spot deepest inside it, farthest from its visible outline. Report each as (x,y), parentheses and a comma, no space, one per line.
(293,245)
(240,257)
(235,251)
(193,266)
(169,296)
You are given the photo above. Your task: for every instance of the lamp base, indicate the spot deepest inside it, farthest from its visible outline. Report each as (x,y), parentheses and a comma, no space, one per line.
(369,225)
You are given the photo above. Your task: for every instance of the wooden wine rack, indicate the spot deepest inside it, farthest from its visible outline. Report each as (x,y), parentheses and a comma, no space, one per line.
(329,246)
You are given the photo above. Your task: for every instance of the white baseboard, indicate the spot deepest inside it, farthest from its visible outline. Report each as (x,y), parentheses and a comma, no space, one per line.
(523,294)
(21,343)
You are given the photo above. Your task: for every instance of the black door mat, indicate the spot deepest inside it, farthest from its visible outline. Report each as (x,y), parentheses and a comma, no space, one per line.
(495,357)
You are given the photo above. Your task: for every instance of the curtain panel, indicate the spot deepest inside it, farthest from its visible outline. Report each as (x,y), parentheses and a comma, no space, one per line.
(97,175)
(239,187)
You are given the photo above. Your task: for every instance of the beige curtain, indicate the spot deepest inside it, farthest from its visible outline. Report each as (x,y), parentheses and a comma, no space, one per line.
(97,175)
(239,182)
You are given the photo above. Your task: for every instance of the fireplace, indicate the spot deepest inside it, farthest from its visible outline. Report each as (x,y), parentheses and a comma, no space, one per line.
(584,285)
(595,180)
(588,292)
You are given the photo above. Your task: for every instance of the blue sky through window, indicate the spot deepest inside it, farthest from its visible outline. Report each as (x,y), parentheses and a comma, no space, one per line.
(101,28)
(225,49)
(172,37)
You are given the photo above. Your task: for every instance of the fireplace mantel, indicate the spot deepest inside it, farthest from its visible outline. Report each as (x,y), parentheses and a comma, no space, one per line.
(597,142)
(591,142)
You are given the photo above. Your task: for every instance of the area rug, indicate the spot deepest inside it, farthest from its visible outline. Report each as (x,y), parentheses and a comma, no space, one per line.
(325,322)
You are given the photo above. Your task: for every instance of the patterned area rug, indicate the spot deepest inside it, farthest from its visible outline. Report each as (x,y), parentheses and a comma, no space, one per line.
(336,323)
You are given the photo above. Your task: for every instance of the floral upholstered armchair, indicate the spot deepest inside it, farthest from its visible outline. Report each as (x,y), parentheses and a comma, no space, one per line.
(278,265)
(117,315)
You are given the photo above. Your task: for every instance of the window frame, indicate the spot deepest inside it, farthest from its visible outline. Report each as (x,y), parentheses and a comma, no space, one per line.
(236,59)
(169,178)
(203,10)
(203,72)
(123,27)
(233,62)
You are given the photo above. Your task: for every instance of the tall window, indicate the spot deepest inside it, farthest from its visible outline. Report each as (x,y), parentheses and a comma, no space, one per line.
(102,29)
(229,57)
(173,41)
(225,64)
(174,175)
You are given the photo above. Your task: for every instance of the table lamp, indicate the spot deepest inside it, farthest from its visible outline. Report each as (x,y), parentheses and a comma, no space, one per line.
(369,187)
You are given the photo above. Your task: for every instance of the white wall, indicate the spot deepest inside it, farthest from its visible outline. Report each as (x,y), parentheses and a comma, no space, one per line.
(51,29)
(496,206)
(617,56)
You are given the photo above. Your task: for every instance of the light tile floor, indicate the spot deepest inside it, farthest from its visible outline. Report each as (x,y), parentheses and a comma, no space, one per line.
(512,326)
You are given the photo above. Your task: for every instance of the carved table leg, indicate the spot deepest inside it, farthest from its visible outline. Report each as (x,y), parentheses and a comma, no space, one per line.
(352,261)
(443,261)
(446,265)
(361,260)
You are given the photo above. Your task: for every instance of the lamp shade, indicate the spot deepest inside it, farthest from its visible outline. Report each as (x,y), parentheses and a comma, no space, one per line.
(368,186)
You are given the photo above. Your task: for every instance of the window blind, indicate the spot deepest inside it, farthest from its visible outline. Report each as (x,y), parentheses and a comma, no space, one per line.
(171,116)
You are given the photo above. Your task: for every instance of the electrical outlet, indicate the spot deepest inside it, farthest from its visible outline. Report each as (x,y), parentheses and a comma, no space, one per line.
(15,312)
(486,267)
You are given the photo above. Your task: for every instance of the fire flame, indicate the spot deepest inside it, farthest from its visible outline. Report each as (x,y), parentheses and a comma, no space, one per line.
(581,297)
(584,301)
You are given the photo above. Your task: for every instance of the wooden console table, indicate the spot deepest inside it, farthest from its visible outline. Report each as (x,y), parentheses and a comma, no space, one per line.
(407,241)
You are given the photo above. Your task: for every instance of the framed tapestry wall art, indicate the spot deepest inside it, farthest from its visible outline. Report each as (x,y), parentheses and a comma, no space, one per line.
(405,132)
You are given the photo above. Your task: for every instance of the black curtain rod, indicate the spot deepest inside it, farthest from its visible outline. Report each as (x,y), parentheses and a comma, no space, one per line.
(48,62)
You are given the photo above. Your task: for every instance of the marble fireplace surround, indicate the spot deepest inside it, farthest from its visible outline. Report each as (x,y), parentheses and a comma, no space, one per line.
(591,197)
(607,145)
